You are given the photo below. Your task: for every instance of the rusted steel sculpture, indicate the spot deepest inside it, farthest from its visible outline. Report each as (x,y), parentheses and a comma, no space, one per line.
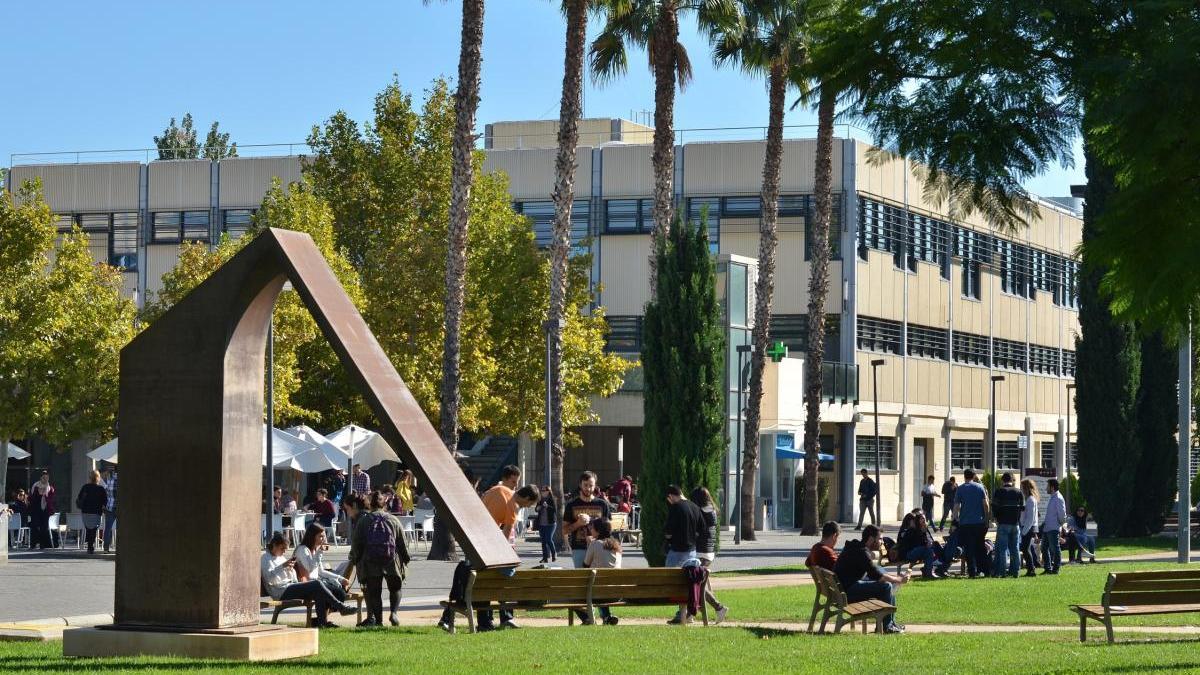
(191,415)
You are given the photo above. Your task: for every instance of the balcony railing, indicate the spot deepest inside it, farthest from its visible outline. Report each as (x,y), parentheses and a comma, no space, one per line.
(839,382)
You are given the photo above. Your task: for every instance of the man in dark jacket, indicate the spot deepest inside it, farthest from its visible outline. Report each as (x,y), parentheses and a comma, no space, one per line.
(867,489)
(948,490)
(1007,505)
(861,578)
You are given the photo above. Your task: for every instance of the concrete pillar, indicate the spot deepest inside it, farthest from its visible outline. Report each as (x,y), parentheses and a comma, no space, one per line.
(1028,455)
(904,468)
(1060,450)
(847,511)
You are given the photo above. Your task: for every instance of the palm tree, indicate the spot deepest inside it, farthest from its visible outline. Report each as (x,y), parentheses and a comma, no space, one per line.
(462,176)
(768,39)
(654,26)
(570,111)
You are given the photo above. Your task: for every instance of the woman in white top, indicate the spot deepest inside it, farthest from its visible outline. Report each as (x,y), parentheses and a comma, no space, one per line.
(310,562)
(279,578)
(1029,526)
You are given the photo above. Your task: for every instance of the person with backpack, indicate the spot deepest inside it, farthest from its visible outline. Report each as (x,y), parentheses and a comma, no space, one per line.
(378,553)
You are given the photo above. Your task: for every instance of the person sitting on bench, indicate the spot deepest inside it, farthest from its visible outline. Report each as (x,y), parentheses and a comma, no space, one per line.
(861,578)
(822,554)
(279,577)
(918,545)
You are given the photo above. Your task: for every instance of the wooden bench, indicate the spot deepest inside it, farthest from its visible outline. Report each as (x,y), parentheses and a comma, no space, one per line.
(831,601)
(1140,594)
(571,590)
(267,602)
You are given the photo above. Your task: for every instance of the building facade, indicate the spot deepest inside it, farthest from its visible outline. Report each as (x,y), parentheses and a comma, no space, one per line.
(945,304)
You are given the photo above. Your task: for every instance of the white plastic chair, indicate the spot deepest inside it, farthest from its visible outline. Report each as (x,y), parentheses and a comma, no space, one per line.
(55,531)
(408,525)
(427,529)
(296,531)
(75,524)
(22,532)
(424,518)
(331,532)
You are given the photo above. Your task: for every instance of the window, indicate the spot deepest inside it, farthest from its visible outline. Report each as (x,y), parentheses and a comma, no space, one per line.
(883,228)
(1008,354)
(628,216)
(1047,450)
(971,348)
(195,225)
(123,245)
(741,207)
(625,334)
(1014,268)
(541,216)
(864,455)
(166,226)
(929,342)
(1043,360)
(708,211)
(879,335)
(176,226)
(235,222)
(1008,456)
(94,222)
(973,249)
(966,454)
(929,240)
(835,222)
(63,222)
(1073,456)
(792,331)
(1068,363)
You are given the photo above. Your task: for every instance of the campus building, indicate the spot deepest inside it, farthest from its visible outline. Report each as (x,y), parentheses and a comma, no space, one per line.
(944,305)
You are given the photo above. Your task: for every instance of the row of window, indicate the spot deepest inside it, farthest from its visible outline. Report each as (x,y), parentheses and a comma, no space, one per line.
(541,216)
(792,331)
(913,238)
(964,454)
(624,334)
(112,236)
(166,226)
(887,336)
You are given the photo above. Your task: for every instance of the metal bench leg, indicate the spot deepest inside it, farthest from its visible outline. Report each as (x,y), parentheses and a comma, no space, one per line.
(1108,628)
(837,628)
(812,620)
(275,616)
(1082,628)
(570,618)
(825,619)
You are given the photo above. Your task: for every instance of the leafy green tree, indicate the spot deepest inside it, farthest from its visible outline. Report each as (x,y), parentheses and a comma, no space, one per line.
(63,323)
(683,438)
(178,141)
(310,385)
(217,145)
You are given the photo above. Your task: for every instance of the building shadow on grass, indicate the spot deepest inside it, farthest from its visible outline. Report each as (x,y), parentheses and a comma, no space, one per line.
(62,664)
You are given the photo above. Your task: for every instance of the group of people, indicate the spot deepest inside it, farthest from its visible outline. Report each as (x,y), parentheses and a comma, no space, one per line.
(96,501)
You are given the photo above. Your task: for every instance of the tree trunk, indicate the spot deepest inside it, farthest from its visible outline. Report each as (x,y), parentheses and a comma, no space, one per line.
(564,197)
(466,102)
(664,61)
(818,290)
(764,289)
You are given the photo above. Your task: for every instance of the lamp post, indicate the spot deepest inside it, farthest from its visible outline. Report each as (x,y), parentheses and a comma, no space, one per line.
(742,350)
(271,424)
(875,363)
(620,456)
(992,429)
(1066,469)
(1184,541)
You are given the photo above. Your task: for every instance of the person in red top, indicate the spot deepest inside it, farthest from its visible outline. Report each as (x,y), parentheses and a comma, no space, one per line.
(323,508)
(823,553)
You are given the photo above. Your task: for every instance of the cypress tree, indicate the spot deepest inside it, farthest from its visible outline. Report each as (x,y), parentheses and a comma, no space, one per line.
(1107,376)
(683,360)
(1157,421)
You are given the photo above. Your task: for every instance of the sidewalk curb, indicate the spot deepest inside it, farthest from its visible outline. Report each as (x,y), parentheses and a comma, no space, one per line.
(51,628)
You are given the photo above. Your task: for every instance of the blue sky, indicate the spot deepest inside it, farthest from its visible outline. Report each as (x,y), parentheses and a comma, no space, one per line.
(95,76)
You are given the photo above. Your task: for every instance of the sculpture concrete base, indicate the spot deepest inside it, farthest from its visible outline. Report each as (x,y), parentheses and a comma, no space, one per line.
(269,644)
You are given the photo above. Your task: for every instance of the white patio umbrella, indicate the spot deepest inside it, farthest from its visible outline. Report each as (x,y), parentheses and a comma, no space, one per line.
(284,448)
(369,449)
(16,453)
(322,456)
(106,452)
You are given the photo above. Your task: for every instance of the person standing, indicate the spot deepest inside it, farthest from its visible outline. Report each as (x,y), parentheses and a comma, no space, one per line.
(378,553)
(1007,505)
(1056,517)
(360,481)
(928,494)
(685,523)
(861,578)
(949,488)
(824,553)
(404,490)
(503,503)
(971,513)
(41,508)
(546,524)
(581,510)
(706,545)
(867,489)
(1029,522)
(91,501)
(110,509)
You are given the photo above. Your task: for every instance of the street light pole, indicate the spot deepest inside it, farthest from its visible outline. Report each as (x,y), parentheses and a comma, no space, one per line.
(742,350)
(875,410)
(1185,445)
(992,430)
(271,424)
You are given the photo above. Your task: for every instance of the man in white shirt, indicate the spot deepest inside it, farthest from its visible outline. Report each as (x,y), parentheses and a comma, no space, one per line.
(1056,517)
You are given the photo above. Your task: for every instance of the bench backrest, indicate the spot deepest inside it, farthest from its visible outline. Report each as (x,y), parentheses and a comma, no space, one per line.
(658,583)
(532,585)
(619,521)
(1168,587)
(828,585)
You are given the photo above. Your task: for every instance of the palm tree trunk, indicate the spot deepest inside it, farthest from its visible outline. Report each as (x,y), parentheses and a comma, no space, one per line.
(663,58)
(466,102)
(818,289)
(764,289)
(564,196)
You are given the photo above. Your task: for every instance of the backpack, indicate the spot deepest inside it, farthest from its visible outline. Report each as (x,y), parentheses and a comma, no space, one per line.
(381,543)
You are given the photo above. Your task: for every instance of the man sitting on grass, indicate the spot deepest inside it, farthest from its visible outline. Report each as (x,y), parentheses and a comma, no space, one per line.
(862,579)
(823,554)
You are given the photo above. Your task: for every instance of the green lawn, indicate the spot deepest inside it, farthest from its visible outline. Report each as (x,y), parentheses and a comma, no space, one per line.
(1040,600)
(653,649)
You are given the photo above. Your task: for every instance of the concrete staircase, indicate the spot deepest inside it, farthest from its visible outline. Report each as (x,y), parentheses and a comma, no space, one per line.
(499,451)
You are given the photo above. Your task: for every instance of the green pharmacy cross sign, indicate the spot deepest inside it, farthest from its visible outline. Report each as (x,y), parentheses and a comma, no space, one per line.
(777,351)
